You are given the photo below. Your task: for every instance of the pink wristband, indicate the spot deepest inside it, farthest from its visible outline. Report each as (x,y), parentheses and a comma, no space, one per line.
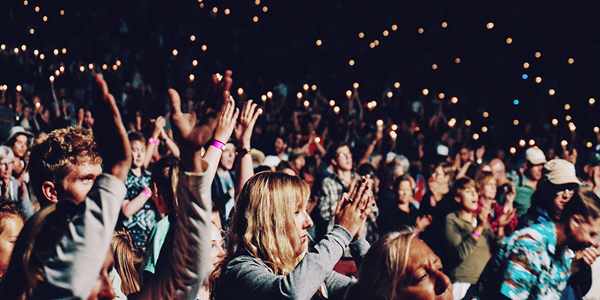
(147,193)
(153,141)
(218,144)
(476,234)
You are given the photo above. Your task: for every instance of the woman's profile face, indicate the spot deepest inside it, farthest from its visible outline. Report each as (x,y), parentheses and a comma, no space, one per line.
(424,277)
(490,188)
(302,221)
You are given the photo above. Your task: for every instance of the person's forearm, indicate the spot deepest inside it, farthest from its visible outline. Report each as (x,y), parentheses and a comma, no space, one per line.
(130,207)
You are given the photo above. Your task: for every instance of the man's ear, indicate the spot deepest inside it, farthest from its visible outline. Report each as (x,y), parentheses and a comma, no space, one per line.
(49,191)
(457,199)
(334,162)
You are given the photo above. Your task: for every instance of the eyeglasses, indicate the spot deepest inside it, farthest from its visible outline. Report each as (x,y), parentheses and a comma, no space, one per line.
(566,188)
(6,165)
(345,155)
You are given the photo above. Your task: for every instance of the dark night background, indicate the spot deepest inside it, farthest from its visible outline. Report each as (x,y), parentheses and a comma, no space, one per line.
(281,47)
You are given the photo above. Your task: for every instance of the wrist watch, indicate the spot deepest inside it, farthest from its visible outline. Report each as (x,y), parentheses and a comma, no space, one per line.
(242,151)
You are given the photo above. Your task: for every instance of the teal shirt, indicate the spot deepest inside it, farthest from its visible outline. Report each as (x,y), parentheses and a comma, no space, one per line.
(523,199)
(155,243)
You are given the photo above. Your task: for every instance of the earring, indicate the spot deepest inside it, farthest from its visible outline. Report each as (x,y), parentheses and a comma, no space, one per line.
(574,224)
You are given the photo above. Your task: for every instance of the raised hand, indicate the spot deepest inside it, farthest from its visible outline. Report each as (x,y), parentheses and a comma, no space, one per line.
(482,217)
(243,131)
(110,133)
(584,258)
(193,130)
(227,121)
(352,210)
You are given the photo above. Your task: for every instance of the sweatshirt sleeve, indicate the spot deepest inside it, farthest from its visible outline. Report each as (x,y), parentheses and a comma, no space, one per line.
(80,254)
(460,245)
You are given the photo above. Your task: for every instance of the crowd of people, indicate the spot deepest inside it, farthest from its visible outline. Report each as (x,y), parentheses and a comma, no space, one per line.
(224,198)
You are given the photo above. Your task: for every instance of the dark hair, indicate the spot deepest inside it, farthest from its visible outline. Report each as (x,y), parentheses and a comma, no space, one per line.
(136,136)
(366,169)
(165,176)
(388,174)
(461,184)
(332,151)
(401,179)
(584,203)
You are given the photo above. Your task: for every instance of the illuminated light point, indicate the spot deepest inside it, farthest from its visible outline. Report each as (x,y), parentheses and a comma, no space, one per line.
(373,104)
(55,52)
(257,2)
(319,42)
(444,24)
(104,67)
(351,62)
(390,94)
(192,77)
(524,76)
(554,121)
(45,18)
(64,50)
(538,79)
(394,27)
(51,78)
(57,72)
(454,100)
(91,66)
(596,129)
(434,66)
(299,95)
(457,60)
(452,122)
(379,123)
(62,69)
(255,19)
(425,92)
(37,9)
(115,67)
(240,91)
(484,129)
(394,135)
(361,35)
(215,10)
(263,98)
(568,117)
(394,127)
(16,50)
(515,122)
(386,33)
(572,126)
(227,11)
(348,93)
(421,30)
(192,37)
(3,47)
(36,52)
(538,54)
(42,56)
(331,102)
(313,87)
(512,150)
(551,92)
(175,52)
(526,65)
(397,85)
(305,87)
(372,45)
(441,95)
(592,101)
(31,31)
(265,9)
(571,61)
(486,114)
(204,47)
(201,5)
(62,12)
(194,62)
(376,42)
(118,63)
(355,85)
(317,139)
(564,143)
(23,47)
(509,41)
(567,106)
(468,122)
(588,144)
(522,143)
(25,2)
(475,136)
(490,25)
(531,142)
(336,110)
(516,102)
(19,88)
(269,94)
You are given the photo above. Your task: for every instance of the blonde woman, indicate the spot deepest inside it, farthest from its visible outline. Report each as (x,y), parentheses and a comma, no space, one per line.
(401,266)
(268,256)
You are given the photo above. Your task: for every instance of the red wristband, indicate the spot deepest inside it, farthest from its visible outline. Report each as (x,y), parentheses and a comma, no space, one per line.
(147,193)
(218,144)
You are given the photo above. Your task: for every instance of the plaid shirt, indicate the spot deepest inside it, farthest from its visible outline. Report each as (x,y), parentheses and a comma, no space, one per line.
(331,192)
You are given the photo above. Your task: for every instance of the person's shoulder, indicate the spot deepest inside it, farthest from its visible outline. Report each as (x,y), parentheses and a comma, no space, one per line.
(532,238)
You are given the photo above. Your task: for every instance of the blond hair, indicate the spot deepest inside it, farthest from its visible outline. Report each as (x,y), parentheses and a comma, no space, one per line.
(263,222)
(383,269)
(126,261)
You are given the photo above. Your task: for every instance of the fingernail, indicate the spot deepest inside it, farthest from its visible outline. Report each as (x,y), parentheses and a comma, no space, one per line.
(367,187)
(362,180)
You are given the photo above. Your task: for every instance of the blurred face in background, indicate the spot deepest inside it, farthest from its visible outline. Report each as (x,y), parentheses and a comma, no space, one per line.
(20,146)
(228,157)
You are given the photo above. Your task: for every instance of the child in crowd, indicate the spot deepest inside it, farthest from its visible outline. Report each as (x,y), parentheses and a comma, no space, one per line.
(469,238)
